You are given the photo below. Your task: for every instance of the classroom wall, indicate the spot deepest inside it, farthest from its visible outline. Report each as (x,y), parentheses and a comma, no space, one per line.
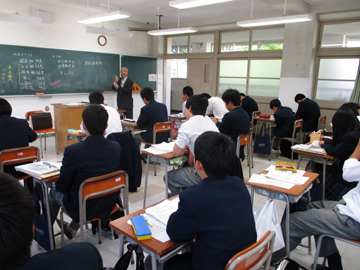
(65,33)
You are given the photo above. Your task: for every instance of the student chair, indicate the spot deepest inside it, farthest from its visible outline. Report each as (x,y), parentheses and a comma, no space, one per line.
(255,114)
(160,127)
(349,241)
(322,122)
(43,131)
(255,256)
(297,127)
(245,139)
(97,187)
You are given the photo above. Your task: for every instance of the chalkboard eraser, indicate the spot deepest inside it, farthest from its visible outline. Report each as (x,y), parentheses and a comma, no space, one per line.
(105,91)
(40,94)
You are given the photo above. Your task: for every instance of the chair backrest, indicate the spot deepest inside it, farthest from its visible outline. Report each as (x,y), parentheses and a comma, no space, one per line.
(255,114)
(27,115)
(297,127)
(103,185)
(160,127)
(18,155)
(242,139)
(322,121)
(254,256)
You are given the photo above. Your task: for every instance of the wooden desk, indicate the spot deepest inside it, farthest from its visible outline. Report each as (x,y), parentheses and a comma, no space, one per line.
(176,118)
(121,112)
(66,117)
(288,195)
(268,123)
(315,157)
(132,126)
(158,250)
(74,137)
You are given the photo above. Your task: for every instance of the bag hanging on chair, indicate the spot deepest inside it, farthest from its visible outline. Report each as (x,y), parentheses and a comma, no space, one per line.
(262,142)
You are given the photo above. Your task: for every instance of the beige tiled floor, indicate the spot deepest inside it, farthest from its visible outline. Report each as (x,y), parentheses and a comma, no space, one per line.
(109,249)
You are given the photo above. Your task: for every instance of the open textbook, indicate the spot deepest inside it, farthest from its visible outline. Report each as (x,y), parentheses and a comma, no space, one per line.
(161,148)
(40,168)
(309,148)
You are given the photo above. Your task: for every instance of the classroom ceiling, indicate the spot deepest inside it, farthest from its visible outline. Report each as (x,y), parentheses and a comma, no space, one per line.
(145,11)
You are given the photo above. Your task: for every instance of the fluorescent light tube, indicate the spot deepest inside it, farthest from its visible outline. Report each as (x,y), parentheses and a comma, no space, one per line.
(17,18)
(275,20)
(109,32)
(116,15)
(182,4)
(172,31)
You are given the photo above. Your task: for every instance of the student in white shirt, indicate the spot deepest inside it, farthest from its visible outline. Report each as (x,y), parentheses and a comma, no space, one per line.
(188,133)
(114,121)
(339,218)
(216,107)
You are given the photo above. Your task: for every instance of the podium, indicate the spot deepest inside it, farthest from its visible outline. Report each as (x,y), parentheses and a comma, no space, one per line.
(66,117)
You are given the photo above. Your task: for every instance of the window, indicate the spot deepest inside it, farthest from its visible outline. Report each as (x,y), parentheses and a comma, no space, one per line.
(341,35)
(177,45)
(202,43)
(235,41)
(267,40)
(179,68)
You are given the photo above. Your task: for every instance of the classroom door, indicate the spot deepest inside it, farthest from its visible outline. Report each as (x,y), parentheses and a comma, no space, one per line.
(201,75)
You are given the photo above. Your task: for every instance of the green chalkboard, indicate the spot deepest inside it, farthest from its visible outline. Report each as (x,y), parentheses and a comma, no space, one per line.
(139,69)
(30,70)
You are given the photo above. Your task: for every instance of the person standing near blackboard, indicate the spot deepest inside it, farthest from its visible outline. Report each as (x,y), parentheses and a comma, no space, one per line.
(124,92)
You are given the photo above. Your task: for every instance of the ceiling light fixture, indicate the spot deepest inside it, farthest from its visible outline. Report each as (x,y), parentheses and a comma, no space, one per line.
(17,18)
(116,15)
(276,20)
(109,32)
(182,4)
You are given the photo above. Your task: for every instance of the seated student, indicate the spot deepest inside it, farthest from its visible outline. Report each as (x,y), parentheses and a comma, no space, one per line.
(346,134)
(216,107)
(95,156)
(236,121)
(309,111)
(284,119)
(216,214)
(114,122)
(353,106)
(17,214)
(187,92)
(197,124)
(150,114)
(341,219)
(248,104)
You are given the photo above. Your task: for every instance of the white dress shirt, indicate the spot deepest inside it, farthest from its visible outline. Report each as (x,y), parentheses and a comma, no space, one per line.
(351,173)
(217,108)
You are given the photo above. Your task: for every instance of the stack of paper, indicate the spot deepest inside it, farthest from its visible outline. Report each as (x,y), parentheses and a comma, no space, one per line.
(279,179)
(161,148)
(43,169)
(309,148)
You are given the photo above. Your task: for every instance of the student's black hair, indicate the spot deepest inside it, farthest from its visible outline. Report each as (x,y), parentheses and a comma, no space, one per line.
(299,97)
(242,94)
(275,103)
(344,121)
(96,97)
(147,93)
(198,104)
(205,95)
(5,107)
(17,213)
(351,105)
(231,95)
(216,152)
(95,118)
(188,91)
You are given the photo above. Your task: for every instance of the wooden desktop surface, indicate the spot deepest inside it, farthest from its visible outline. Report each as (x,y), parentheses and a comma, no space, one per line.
(295,191)
(152,244)
(312,154)
(130,124)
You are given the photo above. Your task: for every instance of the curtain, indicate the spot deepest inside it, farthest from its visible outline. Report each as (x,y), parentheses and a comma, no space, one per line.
(355,96)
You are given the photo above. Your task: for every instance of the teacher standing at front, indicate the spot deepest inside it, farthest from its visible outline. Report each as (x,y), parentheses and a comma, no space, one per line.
(124,87)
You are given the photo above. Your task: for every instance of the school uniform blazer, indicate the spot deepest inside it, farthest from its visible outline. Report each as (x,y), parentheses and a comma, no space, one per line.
(284,119)
(219,213)
(249,105)
(95,156)
(309,111)
(150,114)
(124,94)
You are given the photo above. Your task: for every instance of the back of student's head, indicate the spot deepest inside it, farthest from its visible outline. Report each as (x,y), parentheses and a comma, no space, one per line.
(96,97)
(95,118)
(216,152)
(187,90)
(5,107)
(147,93)
(242,94)
(205,95)
(299,97)
(231,95)
(351,105)
(344,121)
(198,104)
(17,213)
(275,103)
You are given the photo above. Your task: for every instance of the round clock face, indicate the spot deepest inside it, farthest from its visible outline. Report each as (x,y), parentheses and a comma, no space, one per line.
(102,40)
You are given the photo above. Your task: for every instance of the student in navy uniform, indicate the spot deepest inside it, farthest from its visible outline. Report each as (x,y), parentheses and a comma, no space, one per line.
(248,104)
(284,119)
(187,92)
(309,111)
(216,213)
(236,121)
(150,114)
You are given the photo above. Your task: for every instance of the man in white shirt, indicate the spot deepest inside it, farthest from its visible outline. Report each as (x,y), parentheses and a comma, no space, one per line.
(341,218)
(114,121)
(189,131)
(216,107)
